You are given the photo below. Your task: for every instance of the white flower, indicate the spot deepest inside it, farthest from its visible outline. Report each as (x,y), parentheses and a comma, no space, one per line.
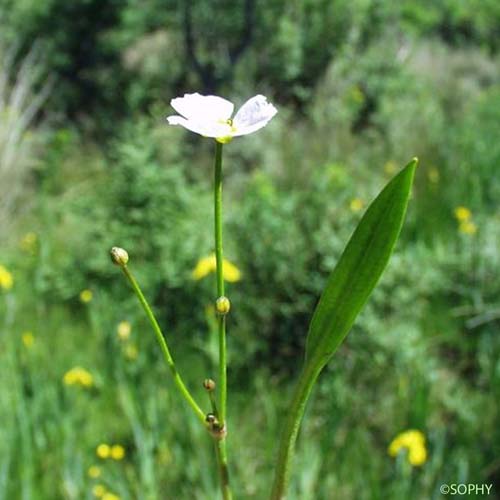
(210,115)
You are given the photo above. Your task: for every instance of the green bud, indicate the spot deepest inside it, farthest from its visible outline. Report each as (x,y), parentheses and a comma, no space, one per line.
(209,384)
(119,256)
(222,305)
(211,419)
(215,428)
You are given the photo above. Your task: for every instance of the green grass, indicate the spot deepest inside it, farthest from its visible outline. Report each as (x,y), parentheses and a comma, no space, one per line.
(397,371)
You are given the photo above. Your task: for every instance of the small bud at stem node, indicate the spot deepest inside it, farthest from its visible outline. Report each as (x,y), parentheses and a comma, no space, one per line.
(222,305)
(209,384)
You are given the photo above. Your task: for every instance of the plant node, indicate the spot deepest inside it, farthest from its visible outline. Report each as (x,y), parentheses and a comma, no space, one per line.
(215,428)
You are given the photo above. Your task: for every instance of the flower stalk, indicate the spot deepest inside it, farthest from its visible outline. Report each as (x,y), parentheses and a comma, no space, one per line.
(220,452)
(220,445)
(159,335)
(219,256)
(209,116)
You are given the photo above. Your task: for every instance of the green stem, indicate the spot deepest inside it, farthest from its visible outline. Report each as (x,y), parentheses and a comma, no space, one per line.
(222,382)
(289,436)
(164,347)
(213,403)
(220,451)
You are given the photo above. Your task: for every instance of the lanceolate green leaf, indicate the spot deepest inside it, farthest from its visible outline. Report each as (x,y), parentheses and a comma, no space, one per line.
(347,290)
(359,268)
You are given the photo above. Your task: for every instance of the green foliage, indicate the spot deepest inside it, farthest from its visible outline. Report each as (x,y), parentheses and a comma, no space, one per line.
(135,191)
(477,149)
(459,24)
(136,52)
(389,81)
(71,34)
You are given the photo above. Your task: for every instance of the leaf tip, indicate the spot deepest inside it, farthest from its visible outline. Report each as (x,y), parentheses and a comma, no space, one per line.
(414,161)
(411,167)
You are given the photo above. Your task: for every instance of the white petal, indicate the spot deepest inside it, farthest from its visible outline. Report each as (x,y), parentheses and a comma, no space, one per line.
(250,129)
(253,115)
(203,108)
(183,122)
(202,128)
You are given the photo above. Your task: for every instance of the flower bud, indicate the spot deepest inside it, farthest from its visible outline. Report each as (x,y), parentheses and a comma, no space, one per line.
(215,428)
(209,384)
(119,256)
(222,305)
(211,419)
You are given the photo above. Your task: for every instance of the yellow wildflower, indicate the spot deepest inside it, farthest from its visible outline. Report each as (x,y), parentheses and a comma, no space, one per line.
(204,267)
(117,452)
(86,296)
(103,450)
(28,339)
(110,496)
(6,279)
(28,242)
(99,490)
(467,227)
(78,376)
(207,265)
(356,204)
(123,330)
(463,214)
(414,443)
(94,471)
(417,455)
(131,352)
(230,272)
(390,167)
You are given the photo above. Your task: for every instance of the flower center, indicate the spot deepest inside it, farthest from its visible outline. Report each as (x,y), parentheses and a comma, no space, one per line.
(229,122)
(232,130)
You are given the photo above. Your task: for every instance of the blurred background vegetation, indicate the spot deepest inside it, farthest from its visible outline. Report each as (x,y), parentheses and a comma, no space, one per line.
(87,161)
